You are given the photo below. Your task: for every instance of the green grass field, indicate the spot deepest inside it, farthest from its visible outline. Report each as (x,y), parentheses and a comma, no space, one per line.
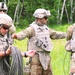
(60,58)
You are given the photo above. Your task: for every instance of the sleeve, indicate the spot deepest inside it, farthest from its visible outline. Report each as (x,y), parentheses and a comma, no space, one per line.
(69,32)
(28,32)
(57,35)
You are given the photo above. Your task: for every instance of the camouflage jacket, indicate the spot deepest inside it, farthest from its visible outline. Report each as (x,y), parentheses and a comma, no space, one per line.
(70,32)
(30,33)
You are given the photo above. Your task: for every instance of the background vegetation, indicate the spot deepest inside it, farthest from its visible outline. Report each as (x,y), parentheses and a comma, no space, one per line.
(62,15)
(62,11)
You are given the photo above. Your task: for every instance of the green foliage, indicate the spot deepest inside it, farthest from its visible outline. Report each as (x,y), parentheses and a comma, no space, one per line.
(60,58)
(23,23)
(59,27)
(11,7)
(29,6)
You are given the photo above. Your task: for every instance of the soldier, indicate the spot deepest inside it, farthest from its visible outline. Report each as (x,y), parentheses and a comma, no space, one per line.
(6,50)
(39,35)
(12,29)
(70,46)
(5,24)
(4,9)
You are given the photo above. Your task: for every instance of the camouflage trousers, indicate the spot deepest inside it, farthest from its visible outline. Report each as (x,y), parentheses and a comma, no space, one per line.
(72,66)
(36,67)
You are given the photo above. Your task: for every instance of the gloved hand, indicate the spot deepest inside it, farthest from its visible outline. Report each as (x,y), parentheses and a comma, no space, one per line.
(14,36)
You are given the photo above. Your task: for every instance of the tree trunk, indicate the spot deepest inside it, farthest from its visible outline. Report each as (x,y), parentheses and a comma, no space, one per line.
(22,2)
(16,12)
(62,11)
(67,14)
(71,14)
(4,1)
(58,13)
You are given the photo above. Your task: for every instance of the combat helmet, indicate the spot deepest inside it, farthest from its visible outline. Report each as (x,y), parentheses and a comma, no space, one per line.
(3,6)
(40,13)
(5,19)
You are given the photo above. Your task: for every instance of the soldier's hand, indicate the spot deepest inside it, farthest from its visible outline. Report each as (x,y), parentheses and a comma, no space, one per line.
(8,51)
(14,36)
(72,70)
(29,53)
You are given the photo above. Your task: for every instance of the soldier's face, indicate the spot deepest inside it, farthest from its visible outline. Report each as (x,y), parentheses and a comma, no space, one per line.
(4,30)
(44,20)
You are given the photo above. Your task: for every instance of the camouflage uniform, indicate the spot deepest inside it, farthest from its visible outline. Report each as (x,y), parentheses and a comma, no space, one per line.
(12,29)
(71,39)
(4,20)
(39,39)
(3,46)
(40,63)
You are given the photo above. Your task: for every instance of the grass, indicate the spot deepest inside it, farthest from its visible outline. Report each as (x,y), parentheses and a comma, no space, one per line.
(60,58)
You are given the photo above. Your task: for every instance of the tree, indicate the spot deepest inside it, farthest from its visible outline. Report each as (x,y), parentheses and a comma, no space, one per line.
(62,11)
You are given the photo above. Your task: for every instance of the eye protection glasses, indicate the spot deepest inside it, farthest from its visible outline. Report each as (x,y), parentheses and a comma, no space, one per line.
(3,10)
(5,28)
